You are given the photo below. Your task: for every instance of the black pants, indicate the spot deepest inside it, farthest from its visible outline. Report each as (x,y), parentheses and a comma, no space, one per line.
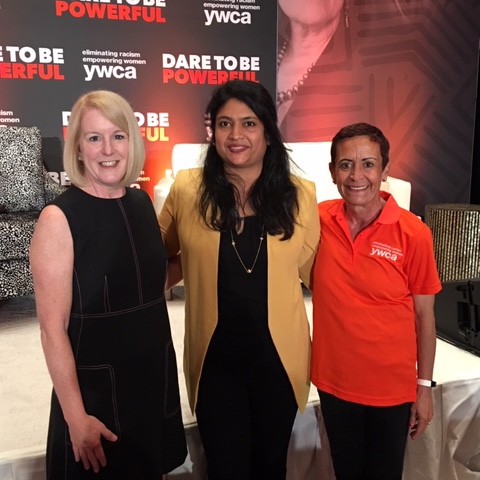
(367,443)
(245,419)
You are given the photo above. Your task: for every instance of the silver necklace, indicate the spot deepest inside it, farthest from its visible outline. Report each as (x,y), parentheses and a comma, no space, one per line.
(249,270)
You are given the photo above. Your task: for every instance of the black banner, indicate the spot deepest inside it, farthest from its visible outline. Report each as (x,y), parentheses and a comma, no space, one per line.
(164,56)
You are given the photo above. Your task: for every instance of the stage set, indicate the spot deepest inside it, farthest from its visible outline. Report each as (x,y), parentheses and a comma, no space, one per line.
(448,450)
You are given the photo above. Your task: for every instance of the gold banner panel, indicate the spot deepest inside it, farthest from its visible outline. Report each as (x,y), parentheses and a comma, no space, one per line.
(456,239)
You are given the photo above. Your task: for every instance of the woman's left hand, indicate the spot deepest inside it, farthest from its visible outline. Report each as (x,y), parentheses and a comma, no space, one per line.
(421,412)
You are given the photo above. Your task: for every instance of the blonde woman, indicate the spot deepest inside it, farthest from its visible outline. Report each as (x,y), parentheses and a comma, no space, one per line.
(99,265)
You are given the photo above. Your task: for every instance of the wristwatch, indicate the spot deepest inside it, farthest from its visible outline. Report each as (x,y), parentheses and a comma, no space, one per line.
(426,383)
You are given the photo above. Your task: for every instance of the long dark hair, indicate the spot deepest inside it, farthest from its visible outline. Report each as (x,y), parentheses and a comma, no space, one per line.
(273,196)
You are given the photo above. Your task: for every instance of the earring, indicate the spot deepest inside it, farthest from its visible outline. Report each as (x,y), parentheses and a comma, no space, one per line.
(346,13)
(79,158)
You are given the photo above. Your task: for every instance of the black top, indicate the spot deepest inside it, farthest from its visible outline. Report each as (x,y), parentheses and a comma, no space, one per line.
(242,296)
(242,338)
(120,337)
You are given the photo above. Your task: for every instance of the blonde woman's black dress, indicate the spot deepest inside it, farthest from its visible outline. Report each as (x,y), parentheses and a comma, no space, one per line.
(120,336)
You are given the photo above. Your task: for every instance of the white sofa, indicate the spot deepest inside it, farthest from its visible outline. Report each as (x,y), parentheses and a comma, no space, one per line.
(310,160)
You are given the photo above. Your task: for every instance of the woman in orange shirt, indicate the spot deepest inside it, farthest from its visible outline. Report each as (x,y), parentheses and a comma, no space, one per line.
(373,323)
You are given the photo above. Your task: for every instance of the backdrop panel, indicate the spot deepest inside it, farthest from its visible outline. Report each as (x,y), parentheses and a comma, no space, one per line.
(407,66)
(164,56)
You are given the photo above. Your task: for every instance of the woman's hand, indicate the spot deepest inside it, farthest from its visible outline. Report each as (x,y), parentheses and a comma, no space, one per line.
(421,412)
(86,436)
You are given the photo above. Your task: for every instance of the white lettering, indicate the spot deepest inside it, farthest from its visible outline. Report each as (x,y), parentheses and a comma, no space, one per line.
(29,54)
(191,62)
(222,16)
(62,179)
(54,176)
(209,19)
(157,119)
(104,71)
(13,52)
(47,55)
(153,119)
(65,118)
(140,118)
(230,63)
(382,253)
(154,3)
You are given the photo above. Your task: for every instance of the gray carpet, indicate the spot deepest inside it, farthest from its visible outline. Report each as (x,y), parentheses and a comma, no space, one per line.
(24,381)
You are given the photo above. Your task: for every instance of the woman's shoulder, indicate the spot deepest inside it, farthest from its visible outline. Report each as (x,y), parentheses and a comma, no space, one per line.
(302,182)
(189,176)
(327,209)
(188,181)
(67,201)
(138,198)
(303,185)
(137,194)
(412,225)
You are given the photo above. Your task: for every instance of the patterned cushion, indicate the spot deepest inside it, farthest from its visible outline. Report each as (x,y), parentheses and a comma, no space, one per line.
(16,232)
(15,279)
(52,188)
(21,179)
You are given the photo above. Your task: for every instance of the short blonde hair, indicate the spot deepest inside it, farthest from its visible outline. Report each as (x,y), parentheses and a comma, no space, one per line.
(118,111)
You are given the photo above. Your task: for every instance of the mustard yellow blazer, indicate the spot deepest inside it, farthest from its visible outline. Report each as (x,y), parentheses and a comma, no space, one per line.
(184,230)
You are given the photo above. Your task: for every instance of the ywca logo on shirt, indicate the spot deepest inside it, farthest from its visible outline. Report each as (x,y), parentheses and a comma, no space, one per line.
(386,251)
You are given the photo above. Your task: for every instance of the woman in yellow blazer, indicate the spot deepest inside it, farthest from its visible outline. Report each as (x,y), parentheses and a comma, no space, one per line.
(247,231)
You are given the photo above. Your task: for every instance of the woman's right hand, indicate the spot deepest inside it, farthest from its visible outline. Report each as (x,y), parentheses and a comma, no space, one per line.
(86,436)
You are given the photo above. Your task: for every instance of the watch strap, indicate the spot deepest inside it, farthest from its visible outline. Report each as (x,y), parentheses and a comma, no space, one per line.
(426,383)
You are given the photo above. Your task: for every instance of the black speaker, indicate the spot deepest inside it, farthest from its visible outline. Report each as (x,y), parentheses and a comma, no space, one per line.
(457,314)
(474,190)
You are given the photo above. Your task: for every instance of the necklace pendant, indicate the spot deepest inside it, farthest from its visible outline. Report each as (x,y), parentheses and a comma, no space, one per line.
(248,270)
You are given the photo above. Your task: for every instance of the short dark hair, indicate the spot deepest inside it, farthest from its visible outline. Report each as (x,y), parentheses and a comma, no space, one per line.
(274,195)
(362,129)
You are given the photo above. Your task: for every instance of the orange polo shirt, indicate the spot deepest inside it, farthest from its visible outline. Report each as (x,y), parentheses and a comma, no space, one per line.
(364,341)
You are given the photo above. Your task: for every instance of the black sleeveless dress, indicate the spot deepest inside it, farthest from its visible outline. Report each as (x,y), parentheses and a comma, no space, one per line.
(120,336)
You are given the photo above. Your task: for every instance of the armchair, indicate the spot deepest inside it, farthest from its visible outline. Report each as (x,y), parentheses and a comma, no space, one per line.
(25,188)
